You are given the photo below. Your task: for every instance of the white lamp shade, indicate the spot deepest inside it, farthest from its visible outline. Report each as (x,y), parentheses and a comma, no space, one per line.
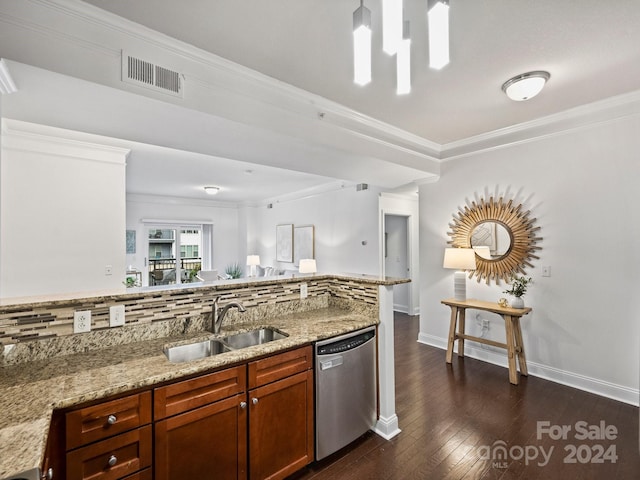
(307,265)
(459,258)
(253,259)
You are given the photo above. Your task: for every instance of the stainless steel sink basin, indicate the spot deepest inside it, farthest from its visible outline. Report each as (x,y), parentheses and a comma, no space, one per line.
(208,348)
(195,351)
(254,337)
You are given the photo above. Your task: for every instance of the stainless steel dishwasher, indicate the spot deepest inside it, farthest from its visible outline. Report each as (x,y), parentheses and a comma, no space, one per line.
(346,400)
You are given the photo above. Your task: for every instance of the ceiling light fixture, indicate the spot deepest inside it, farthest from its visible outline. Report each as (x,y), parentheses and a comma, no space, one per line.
(212,190)
(438,34)
(403,62)
(362,45)
(525,86)
(391,25)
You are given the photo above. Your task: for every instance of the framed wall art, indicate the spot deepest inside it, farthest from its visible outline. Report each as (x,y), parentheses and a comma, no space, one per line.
(303,243)
(284,243)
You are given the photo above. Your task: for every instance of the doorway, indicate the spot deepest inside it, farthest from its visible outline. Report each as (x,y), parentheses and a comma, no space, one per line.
(397,261)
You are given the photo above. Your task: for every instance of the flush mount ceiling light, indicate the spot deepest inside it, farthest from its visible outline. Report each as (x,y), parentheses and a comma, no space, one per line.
(525,86)
(212,190)
(362,45)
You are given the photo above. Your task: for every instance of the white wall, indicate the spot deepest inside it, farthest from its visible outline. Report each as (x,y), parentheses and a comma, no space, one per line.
(406,206)
(343,220)
(582,186)
(396,260)
(227,248)
(62,213)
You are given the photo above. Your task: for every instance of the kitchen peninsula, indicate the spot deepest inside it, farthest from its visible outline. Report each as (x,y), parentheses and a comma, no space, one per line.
(62,370)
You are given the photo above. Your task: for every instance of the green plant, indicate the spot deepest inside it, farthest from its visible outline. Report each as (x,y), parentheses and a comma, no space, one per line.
(233,270)
(518,286)
(130,282)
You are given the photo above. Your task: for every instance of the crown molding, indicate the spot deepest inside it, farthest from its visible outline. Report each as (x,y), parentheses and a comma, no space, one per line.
(6,82)
(30,137)
(412,150)
(583,116)
(270,90)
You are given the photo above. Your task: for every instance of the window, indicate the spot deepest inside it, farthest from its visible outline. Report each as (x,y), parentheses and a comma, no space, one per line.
(175,252)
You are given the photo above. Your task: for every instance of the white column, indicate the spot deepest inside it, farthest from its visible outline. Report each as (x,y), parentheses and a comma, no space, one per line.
(387,426)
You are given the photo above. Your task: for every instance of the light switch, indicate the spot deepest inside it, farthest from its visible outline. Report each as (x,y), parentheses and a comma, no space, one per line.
(546,271)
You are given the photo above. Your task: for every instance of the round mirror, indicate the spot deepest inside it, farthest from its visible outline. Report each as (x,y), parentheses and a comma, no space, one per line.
(490,240)
(502,235)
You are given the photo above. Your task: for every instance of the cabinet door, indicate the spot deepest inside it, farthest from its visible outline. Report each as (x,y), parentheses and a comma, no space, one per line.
(281,427)
(208,442)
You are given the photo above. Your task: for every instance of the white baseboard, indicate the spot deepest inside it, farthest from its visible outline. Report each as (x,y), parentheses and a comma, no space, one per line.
(387,428)
(581,382)
(401,308)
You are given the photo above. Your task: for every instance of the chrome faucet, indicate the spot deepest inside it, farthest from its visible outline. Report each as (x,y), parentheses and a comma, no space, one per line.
(218,314)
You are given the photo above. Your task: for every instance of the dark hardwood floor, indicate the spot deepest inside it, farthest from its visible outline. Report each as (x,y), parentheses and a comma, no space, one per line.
(453,418)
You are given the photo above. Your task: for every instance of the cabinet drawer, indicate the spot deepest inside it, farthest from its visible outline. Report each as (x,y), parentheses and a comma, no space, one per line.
(143,475)
(189,394)
(113,458)
(101,421)
(276,367)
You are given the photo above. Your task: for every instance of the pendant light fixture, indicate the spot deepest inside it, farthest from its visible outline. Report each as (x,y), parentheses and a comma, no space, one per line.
(438,33)
(362,45)
(391,25)
(403,62)
(525,86)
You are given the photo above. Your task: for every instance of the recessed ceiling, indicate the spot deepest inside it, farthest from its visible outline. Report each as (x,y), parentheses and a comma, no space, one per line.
(590,47)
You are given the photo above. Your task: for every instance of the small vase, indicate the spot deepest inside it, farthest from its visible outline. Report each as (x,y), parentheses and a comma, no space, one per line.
(517,302)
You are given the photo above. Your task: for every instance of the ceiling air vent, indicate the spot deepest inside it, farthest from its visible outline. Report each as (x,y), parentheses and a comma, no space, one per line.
(149,75)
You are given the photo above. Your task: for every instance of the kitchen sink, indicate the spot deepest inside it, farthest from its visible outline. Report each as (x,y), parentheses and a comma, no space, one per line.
(208,348)
(195,351)
(254,337)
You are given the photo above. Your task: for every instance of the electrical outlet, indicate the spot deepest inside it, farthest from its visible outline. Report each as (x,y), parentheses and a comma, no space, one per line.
(303,291)
(546,271)
(116,316)
(485,324)
(82,321)
(108,270)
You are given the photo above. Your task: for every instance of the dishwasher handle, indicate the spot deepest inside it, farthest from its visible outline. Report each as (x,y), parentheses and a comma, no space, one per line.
(331,363)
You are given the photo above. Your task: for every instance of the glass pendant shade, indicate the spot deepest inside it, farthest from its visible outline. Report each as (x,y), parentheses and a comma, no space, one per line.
(362,45)
(439,34)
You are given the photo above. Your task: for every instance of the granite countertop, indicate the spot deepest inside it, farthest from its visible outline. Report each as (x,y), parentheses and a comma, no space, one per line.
(29,392)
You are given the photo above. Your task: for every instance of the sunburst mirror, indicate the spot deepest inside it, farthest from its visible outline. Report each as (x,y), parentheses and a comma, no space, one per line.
(502,235)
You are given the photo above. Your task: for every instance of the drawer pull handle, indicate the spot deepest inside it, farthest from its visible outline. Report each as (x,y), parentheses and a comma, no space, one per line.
(243,405)
(255,401)
(112,460)
(111,419)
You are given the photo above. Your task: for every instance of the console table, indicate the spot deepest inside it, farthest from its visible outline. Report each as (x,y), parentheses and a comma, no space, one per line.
(511,318)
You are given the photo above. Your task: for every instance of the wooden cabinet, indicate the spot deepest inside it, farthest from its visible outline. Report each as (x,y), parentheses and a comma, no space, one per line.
(201,424)
(111,440)
(201,427)
(280,414)
(253,420)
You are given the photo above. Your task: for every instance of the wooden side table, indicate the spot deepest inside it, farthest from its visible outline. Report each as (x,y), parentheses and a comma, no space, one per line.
(511,317)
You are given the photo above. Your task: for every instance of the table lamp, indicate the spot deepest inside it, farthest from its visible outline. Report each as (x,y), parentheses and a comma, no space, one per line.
(307,265)
(460,259)
(252,261)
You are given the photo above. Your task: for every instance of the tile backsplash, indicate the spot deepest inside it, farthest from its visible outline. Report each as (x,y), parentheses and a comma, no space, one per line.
(29,322)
